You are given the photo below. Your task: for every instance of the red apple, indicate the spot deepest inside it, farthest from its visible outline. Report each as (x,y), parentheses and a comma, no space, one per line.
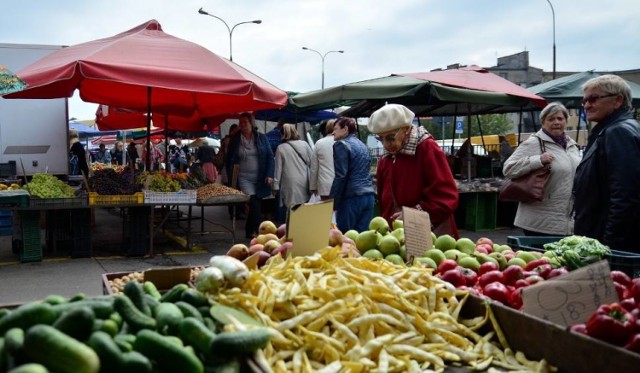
(256,248)
(282,230)
(483,240)
(484,248)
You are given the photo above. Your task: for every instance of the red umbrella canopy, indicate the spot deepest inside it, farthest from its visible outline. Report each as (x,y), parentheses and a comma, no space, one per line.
(110,118)
(475,77)
(119,71)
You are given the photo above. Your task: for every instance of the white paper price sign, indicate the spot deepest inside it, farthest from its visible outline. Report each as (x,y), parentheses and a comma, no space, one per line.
(571,298)
(417,231)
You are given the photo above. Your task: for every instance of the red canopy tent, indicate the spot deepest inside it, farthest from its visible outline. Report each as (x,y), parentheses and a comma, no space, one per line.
(148,70)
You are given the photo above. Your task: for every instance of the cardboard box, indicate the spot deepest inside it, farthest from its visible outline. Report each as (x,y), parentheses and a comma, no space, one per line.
(163,278)
(539,339)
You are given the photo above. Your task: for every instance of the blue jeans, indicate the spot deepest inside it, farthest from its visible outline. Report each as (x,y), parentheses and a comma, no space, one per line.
(355,213)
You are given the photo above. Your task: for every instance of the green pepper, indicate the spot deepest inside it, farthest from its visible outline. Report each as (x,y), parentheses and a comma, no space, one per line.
(611,323)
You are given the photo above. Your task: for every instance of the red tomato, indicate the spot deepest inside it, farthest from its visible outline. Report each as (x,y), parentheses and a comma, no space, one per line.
(497,291)
(533,279)
(491,276)
(446,265)
(544,270)
(521,283)
(486,267)
(634,290)
(628,304)
(579,328)
(512,274)
(515,299)
(557,272)
(536,263)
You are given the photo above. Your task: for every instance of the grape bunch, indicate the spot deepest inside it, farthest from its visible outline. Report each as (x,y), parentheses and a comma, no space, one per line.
(48,186)
(109,182)
(161,182)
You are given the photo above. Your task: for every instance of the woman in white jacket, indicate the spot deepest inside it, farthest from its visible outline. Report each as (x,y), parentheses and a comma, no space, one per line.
(322,172)
(291,178)
(553,215)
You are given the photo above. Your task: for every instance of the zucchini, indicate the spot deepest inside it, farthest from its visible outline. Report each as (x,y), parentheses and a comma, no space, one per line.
(244,342)
(4,312)
(135,362)
(107,350)
(188,310)
(150,288)
(76,322)
(134,318)
(168,316)
(174,294)
(151,302)
(59,352)
(133,289)
(30,368)
(219,313)
(28,315)
(78,297)
(194,297)
(100,308)
(195,333)
(108,326)
(167,356)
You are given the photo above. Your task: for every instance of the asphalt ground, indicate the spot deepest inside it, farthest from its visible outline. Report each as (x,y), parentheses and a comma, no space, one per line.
(57,273)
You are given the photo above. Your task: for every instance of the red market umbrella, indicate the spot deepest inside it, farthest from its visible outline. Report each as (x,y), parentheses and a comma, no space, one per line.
(148,70)
(110,118)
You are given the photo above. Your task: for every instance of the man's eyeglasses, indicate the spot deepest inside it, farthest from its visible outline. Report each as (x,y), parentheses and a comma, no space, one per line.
(389,138)
(594,98)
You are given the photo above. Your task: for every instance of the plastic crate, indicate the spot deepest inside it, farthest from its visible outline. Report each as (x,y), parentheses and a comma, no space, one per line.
(4,213)
(96,199)
(14,198)
(30,246)
(6,221)
(531,243)
(184,196)
(626,262)
(8,169)
(79,201)
(8,231)
(480,210)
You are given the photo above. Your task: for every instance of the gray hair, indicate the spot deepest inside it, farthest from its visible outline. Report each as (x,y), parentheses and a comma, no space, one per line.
(553,108)
(611,85)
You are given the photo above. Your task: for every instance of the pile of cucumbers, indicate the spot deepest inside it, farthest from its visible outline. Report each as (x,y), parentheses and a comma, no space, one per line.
(138,331)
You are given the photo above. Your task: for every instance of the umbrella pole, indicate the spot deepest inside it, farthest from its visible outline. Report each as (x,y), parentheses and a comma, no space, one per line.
(147,161)
(470,148)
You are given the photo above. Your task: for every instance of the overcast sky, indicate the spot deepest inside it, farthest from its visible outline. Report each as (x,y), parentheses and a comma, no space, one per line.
(379,37)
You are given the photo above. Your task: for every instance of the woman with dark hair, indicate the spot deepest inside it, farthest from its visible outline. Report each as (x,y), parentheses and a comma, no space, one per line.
(251,153)
(352,188)
(292,168)
(77,155)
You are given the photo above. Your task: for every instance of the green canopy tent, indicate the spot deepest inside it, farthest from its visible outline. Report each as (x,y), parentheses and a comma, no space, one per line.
(466,91)
(568,91)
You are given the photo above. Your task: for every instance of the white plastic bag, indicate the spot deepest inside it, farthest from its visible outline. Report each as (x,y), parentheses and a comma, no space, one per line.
(314,198)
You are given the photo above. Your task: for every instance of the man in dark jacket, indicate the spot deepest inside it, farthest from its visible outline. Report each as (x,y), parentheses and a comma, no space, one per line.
(606,187)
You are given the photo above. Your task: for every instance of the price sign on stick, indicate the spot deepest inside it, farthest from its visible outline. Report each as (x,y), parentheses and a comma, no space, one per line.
(417,232)
(571,298)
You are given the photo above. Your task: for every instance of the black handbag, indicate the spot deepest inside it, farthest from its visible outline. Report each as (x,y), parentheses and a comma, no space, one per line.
(526,188)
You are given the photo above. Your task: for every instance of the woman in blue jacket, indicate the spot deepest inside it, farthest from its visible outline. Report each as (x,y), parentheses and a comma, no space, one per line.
(251,152)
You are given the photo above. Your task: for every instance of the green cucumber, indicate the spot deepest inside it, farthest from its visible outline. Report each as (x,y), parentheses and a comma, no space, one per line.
(133,289)
(188,310)
(135,362)
(195,333)
(59,352)
(14,343)
(101,309)
(194,297)
(168,356)
(125,341)
(243,342)
(151,302)
(76,322)
(55,299)
(150,288)
(174,294)
(30,368)
(107,350)
(168,316)
(134,318)
(78,297)
(28,315)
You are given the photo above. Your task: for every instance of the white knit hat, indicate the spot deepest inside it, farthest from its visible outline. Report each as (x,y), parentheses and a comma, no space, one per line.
(390,117)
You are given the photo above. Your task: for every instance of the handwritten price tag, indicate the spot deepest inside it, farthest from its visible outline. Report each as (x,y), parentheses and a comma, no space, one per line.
(417,231)
(571,298)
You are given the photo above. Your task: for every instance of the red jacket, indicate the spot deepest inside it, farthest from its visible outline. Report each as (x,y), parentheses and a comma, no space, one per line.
(424,178)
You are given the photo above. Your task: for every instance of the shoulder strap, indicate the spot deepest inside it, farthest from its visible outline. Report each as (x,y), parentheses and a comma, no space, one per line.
(542,147)
(299,155)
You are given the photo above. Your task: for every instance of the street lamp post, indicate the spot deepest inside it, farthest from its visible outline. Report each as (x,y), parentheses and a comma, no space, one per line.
(230,29)
(322,57)
(553,14)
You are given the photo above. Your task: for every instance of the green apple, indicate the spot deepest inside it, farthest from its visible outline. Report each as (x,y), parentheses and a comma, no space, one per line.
(445,242)
(395,259)
(373,254)
(501,248)
(403,252)
(397,224)
(366,240)
(500,258)
(469,262)
(466,245)
(483,258)
(389,244)
(527,256)
(454,254)
(517,261)
(399,234)
(379,224)
(352,234)
(436,255)
(427,262)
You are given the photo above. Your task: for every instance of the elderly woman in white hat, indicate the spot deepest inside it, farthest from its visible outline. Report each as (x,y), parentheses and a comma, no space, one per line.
(413,171)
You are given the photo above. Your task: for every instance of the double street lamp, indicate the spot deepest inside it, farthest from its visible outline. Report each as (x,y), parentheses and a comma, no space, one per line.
(322,56)
(553,14)
(230,29)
